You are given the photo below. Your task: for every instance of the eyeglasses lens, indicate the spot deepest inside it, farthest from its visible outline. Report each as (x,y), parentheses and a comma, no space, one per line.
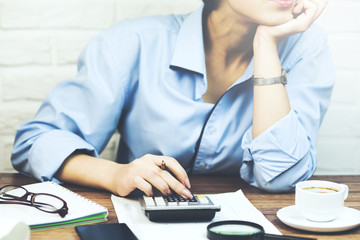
(47,203)
(12,192)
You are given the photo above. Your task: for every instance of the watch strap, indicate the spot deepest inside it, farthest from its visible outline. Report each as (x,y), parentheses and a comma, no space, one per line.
(268,81)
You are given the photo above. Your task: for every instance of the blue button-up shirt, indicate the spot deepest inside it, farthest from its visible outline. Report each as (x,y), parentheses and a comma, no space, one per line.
(146,78)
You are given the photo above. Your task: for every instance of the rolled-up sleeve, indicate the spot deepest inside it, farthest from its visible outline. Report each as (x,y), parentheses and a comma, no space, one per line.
(78,114)
(285,153)
(275,151)
(60,144)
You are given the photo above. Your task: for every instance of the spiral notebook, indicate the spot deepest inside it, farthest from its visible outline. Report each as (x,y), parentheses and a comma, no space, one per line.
(81,209)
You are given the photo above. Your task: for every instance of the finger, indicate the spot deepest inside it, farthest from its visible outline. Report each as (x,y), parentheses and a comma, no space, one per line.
(174,166)
(299,7)
(310,9)
(143,185)
(314,7)
(175,185)
(154,177)
(304,20)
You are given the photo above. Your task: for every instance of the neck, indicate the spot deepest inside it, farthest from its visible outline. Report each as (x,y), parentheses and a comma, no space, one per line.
(228,38)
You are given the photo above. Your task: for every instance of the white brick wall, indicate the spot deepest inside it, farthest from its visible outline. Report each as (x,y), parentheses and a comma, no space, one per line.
(40,41)
(339,139)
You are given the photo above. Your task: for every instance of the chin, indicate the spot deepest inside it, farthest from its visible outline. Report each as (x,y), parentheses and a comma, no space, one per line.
(276,19)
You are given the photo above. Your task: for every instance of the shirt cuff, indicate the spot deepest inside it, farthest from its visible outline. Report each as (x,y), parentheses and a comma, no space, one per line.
(275,150)
(49,152)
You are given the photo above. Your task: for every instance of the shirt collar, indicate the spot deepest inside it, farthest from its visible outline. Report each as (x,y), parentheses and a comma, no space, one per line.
(189,50)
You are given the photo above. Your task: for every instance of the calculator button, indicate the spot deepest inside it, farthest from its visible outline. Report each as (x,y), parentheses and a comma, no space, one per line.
(170,199)
(172,203)
(160,201)
(149,201)
(203,199)
(193,201)
(180,200)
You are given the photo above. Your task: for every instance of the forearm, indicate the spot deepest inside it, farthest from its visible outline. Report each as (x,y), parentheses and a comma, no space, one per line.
(271,102)
(89,171)
(122,179)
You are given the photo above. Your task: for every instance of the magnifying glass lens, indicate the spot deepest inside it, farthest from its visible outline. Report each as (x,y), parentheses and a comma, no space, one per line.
(239,230)
(235,229)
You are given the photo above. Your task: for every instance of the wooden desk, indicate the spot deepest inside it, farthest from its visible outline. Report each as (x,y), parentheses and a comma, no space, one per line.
(267,203)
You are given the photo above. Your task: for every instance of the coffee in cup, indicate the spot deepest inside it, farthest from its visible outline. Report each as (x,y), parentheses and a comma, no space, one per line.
(320,201)
(321,189)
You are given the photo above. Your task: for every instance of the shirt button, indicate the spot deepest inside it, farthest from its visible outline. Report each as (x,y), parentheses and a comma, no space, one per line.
(202,165)
(212,130)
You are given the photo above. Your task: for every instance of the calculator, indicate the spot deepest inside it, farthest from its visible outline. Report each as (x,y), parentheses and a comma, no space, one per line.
(175,208)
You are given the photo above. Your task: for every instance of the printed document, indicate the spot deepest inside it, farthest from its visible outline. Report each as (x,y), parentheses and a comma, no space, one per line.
(234,206)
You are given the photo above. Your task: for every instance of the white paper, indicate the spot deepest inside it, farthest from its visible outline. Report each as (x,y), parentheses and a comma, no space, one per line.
(234,206)
(12,229)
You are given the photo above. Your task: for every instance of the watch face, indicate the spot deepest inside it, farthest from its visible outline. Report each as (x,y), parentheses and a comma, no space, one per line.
(283,76)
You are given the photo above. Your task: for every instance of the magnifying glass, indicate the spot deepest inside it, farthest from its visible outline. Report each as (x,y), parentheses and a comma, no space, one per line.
(239,230)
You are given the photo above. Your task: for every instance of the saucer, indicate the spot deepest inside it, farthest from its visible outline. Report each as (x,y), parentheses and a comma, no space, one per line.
(348,219)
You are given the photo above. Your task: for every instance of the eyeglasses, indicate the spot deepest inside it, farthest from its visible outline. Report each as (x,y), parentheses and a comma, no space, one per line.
(45,202)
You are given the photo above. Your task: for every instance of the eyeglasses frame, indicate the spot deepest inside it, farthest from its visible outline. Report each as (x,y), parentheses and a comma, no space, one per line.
(23,200)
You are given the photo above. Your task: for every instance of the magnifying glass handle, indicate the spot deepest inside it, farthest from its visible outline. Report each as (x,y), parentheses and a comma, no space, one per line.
(281,237)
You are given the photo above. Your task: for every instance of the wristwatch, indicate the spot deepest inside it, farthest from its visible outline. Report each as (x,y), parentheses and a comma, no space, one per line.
(275,80)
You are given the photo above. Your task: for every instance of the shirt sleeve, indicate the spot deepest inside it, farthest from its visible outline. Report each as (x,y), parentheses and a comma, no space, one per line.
(285,153)
(78,114)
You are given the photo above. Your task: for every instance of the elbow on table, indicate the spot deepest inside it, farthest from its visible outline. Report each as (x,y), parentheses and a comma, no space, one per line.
(278,187)
(285,181)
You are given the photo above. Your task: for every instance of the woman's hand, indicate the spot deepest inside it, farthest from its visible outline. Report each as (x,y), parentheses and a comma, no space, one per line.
(122,179)
(145,172)
(305,13)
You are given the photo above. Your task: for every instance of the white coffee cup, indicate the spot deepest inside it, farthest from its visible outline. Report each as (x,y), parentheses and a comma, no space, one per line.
(320,201)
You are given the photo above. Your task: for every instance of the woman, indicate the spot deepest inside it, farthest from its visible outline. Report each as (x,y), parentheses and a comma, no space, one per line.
(202,93)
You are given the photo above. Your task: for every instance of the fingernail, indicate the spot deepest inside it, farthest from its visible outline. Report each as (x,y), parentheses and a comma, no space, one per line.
(168,192)
(187,183)
(187,193)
